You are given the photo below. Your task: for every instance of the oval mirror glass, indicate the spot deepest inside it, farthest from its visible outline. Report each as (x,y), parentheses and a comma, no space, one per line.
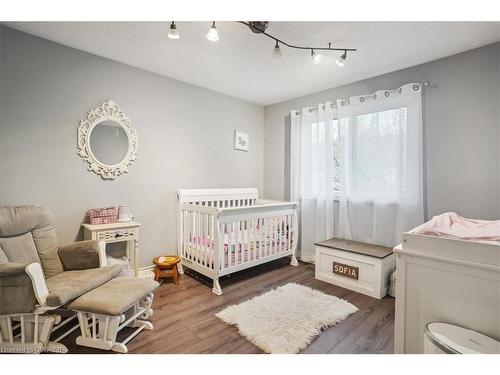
(109,142)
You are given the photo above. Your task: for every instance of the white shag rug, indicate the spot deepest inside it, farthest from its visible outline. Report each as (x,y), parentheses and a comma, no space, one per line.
(286,319)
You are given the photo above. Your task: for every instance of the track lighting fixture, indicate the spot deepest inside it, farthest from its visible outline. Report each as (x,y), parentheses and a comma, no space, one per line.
(213,34)
(316,57)
(259,27)
(173,33)
(341,60)
(277,51)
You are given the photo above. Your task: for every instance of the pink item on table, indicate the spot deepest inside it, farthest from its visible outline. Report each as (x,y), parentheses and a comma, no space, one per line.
(100,212)
(107,215)
(452,225)
(103,220)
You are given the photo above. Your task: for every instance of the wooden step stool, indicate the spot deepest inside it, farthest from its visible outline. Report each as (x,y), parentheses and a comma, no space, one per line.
(167,263)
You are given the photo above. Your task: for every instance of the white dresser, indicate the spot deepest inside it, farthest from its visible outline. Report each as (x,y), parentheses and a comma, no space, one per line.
(117,232)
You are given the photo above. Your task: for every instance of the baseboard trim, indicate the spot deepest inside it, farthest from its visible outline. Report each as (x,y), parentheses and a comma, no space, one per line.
(308,259)
(146,272)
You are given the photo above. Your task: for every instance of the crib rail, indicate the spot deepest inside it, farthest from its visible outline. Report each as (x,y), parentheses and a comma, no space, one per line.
(199,235)
(220,198)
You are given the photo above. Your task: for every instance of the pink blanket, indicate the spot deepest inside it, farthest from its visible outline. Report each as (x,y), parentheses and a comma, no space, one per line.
(452,225)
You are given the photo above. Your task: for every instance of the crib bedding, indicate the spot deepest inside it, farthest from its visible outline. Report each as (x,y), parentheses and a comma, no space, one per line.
(452,225)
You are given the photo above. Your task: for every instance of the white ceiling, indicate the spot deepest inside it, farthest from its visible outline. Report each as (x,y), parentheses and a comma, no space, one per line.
(240,64)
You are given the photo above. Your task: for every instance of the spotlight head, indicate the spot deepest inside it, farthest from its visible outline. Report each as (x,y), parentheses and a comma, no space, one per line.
(213,34)
(173,33)
(341,60)
(316,57)
(277,51)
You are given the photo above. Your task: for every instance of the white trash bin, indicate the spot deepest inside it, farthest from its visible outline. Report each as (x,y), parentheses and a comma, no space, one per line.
(443,338)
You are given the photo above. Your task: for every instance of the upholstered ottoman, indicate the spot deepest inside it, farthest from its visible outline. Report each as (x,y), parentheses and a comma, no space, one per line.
(114,305)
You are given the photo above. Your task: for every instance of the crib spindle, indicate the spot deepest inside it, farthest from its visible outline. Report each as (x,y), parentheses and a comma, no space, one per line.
(249,241)
(201,229)
(231,242)
(211,238)
(193,238)
(198,238)
(274,228)
(237,243)
(206,239)
(288,231)
(269,236)
(280,237)
(241,248)
(262,238)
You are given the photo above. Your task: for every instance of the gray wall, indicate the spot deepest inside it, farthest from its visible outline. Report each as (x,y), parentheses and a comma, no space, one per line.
(461,123)
(185,136)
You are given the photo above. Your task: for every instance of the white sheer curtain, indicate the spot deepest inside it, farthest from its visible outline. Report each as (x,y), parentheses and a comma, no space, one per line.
(312,180)
(356,168)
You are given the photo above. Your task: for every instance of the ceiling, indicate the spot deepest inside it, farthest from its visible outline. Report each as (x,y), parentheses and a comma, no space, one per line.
(240,63)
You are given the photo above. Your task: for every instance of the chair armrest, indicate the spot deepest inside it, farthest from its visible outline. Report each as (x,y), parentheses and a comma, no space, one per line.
(22,285)
(83,255)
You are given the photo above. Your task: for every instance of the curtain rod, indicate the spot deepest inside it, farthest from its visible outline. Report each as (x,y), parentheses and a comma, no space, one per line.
(425,83)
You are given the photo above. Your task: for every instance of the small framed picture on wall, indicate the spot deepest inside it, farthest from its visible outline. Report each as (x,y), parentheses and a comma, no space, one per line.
(240,140)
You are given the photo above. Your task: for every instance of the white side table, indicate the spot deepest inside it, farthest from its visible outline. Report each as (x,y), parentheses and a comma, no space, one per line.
(117,232)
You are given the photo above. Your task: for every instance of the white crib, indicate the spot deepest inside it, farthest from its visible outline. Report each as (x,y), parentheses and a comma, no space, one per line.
(221,231)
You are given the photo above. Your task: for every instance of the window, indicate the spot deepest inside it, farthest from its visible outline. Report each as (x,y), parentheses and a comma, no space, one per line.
(377,146)
(356,167)
(379,151)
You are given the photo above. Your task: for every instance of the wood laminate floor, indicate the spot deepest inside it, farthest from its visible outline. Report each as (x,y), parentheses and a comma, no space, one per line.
(184,316)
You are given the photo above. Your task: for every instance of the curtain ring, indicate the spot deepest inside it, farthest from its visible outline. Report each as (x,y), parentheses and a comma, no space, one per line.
(361,99)
(416,87)
(386,94)
(374,96)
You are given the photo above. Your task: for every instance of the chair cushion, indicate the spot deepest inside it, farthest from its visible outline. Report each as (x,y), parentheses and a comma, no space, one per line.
(20,249)
(46,244)
(68,285)
(81,255)
(36,224)
(114,297)
(16,220)
(16,289)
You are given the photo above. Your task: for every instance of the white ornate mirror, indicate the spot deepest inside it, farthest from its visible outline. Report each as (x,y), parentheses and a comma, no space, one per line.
(107,141)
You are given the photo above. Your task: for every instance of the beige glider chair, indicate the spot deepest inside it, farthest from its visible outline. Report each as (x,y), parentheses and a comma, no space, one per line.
(38,278)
